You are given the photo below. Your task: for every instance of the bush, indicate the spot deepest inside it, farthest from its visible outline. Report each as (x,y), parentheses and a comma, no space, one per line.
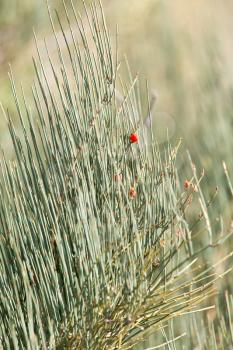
(97,246)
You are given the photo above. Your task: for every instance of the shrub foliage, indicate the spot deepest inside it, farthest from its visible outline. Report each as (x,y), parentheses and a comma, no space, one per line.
(95,247)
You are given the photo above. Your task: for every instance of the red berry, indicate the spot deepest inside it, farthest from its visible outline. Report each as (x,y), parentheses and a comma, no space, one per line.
(187,184)
(133,138)
(132,192)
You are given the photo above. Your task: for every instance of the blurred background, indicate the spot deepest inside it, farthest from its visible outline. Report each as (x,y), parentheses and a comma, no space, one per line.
(183,49)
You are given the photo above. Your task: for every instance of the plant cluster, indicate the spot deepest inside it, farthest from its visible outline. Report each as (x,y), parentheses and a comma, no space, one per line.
(97,247)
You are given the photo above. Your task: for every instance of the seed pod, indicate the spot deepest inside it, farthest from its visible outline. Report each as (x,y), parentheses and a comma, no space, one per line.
(118,177)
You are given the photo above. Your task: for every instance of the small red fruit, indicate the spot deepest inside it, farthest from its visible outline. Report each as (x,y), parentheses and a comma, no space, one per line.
(133,138)
(187,184)
(132,192)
